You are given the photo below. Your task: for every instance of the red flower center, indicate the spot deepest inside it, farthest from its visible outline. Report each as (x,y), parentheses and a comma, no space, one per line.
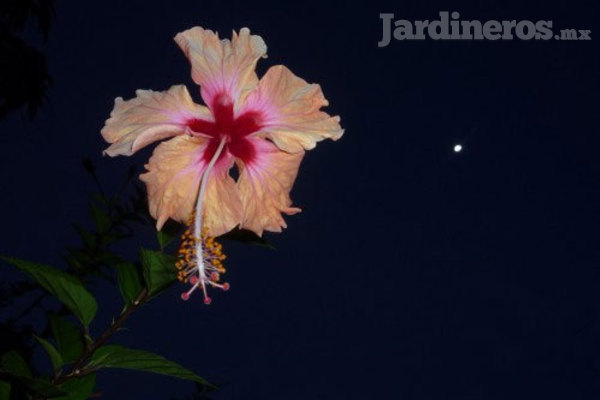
(234,129)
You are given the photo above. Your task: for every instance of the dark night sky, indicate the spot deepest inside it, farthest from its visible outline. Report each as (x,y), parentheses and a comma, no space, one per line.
(413,272)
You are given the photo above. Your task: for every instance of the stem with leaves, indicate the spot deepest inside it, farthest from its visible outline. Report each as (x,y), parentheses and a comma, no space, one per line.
(78,368)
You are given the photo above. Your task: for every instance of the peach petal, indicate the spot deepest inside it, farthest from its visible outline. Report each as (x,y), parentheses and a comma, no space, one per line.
(264,187)
(222,204)
(172,180)
(148,117)
(291,111)
(222,66)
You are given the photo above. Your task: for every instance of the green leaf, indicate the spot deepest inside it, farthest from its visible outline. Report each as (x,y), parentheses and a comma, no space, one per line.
(121,357)
(88,238)
(4,390)
(164,239)
(246,236)
(15,365)
(130,282)
(38,387)
(101,218)
(79,388)
(68,337)
(66,288)
(158,269)
(54,355)
(100,198)
(170,231)
(16,371)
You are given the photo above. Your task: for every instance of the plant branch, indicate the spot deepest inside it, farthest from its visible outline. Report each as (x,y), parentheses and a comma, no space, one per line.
(76,369)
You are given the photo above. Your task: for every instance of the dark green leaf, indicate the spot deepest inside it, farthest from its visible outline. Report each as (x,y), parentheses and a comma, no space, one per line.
(158,269)
(37,387)
(100,198)
(79,388)
(101,218)
(169,232)
(164,239)
(43,388)
(68,338)
(130,282)
(54,355)
(246,236)
(16,371)
(88,238)
(66,288)
(121,357)
(15,365)
(4,390)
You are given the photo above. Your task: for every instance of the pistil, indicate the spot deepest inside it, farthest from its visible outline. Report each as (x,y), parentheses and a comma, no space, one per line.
(200,256)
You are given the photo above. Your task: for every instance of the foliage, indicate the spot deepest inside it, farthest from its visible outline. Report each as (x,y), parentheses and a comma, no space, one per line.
(74,355)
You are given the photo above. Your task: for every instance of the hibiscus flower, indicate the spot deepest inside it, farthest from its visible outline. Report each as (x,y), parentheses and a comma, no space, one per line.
(262,127)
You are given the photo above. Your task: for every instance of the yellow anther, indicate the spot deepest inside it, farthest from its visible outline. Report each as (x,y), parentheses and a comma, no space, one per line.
(212,255)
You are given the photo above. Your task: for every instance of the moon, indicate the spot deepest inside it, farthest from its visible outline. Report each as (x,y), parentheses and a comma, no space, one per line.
(457,148)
